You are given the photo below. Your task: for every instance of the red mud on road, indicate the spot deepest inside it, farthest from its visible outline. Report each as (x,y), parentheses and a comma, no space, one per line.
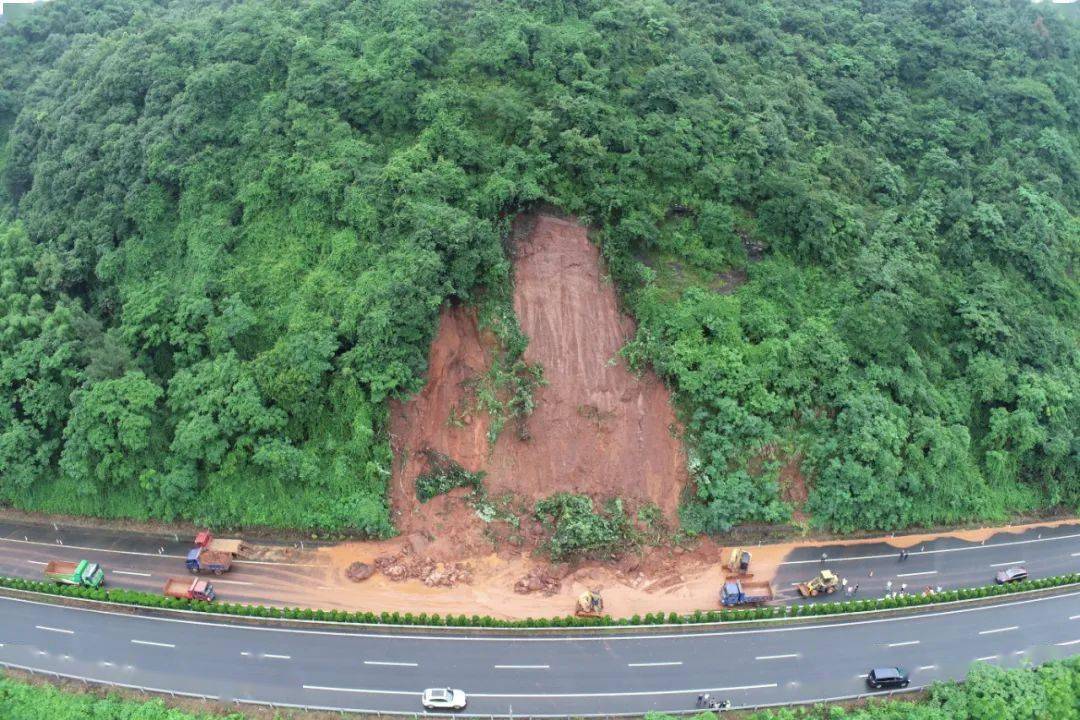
(597,428)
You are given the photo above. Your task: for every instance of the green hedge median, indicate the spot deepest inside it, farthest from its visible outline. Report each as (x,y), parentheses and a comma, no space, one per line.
(143,599)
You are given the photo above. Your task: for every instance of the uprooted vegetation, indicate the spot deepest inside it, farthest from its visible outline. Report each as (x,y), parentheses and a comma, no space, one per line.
(227,230)
(443,475)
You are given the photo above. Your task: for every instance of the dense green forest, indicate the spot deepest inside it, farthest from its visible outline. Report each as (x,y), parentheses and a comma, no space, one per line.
(227,226)
(1050,692)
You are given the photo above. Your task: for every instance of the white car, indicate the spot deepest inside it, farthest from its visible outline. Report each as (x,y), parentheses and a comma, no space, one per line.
(443,699)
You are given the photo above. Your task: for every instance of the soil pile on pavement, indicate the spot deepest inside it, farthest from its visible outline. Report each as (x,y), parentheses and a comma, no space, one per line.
(596,429)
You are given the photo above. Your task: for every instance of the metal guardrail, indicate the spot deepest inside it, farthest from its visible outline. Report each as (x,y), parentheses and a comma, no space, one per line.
(239,702)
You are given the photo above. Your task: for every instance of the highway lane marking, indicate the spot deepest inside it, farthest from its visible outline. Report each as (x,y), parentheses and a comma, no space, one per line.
(927,667)
(37,562)
(560,638)
(390,664)
(916,574)
(152,643)
(999,630)
(232,582)
(1074,617)
(326,688)
(1013,562)
(656,664)
(1068,642)
(55,630)
(817,560)
(129,572)
(988,658)
(863,676)
(277,657)
(777,657)
(903,644)
(150,554)
(522,667)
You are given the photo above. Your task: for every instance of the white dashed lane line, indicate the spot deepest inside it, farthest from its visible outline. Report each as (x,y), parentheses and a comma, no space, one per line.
(129,572)
(46,628)
(777,657)
(522,667)
(152,643)
(999,630)
(389,664)
(902,644)
(671,663)
(1013,562)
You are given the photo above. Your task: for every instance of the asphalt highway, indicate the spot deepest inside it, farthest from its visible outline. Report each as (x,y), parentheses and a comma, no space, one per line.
(144,562)
(558,675)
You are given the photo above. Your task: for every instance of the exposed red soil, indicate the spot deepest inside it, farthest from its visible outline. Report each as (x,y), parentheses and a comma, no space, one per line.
(793,488)
(597,428)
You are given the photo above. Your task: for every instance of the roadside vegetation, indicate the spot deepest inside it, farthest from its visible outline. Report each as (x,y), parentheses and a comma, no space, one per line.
(849,233)
(988,693)
(37,701)
(139,598)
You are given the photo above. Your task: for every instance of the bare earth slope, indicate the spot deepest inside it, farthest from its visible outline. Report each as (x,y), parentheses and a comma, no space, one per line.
(597,428)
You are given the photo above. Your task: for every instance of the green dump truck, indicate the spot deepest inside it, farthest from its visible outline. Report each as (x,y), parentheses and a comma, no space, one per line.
(83,573)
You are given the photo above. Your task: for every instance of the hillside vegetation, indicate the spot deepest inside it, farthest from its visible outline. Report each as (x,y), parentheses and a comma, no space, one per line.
(228,227)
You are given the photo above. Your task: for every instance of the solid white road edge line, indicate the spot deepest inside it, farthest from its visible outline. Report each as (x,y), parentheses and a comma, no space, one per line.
(817,560)
(150,554)
(223,623)
(324,688)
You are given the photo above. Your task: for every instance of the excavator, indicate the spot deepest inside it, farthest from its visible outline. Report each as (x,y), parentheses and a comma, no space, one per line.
(825,583)
(590,604)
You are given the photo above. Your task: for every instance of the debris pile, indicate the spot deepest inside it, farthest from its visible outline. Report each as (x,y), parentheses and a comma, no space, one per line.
(538,581)
(406,566)
(358,571)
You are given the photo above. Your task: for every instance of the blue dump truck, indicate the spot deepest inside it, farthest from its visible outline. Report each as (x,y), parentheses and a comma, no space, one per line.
(738,592)
(202,560)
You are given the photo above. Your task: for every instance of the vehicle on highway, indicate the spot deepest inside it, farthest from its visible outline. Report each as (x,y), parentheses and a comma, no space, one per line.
(83,573)
(825,583)
(737,592)
(190,589)
(443,699)
(199,559)
(206,540)
(887,677)
(1011,575)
